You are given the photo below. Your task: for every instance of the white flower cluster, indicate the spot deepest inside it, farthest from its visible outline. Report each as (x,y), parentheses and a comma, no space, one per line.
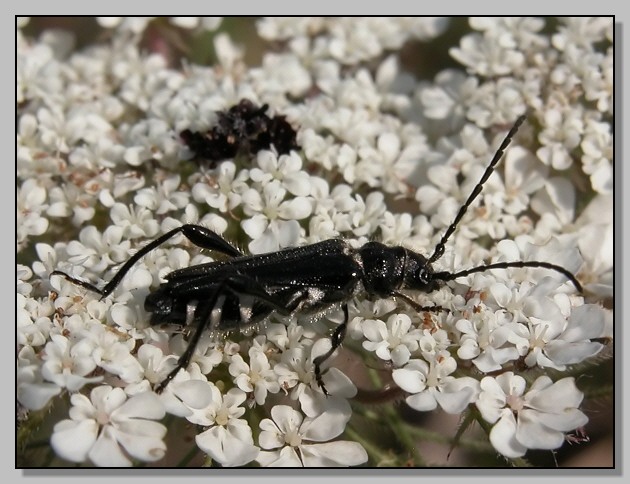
(102,170)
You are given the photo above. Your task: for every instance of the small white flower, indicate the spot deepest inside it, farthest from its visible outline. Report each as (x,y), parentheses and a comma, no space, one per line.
(271,203)
(286,337)
(207,355)
(266,227)
(527,300)
(187,393)
(136,223)
(366,309)
(164,198)
(484,56)
(153,363)
(392,340)
(524,174)
(72,198)
(223,190)
(228,440)
(66,364)
(38,73)
(581,31)
(282,74)
(573,345)
(597,146)
(298,440)
(97,251)
(433,342)
(94,156)
(519,31)
(150,139)
(282,28)
(31,198)
(257,377)
(555,202)
(497,102)
(367,215)
(485,341)
(536,419)
(101,426)
(444,102)
(595,240)
(562,130)
(31,390)
(431,384)
(112,352)
(285,168)
(296,371)
(32,328)
(24,273)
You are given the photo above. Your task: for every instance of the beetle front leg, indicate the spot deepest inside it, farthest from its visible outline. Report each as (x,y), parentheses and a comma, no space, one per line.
(336,340)
(417,307)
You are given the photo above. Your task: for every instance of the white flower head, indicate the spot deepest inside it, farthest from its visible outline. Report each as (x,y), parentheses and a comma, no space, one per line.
(103,170)
(274,221)
(30,205)
(67,364)
(257,376)
(394,340)
(299,441)
(431,384)
(533,419)
(223,189)
(228,438)
(32,391)
(110,429)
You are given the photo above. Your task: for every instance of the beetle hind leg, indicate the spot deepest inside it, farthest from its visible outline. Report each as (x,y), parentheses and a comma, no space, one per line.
(209,315)
(184,359)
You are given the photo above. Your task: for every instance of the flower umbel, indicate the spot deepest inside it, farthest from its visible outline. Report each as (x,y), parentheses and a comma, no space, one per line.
(334,134)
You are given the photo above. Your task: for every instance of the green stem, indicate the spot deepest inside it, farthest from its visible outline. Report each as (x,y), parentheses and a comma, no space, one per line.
(395,423)
(375,453)
(188,457)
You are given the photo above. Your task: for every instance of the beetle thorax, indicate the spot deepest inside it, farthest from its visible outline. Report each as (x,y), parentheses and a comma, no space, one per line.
(382,268)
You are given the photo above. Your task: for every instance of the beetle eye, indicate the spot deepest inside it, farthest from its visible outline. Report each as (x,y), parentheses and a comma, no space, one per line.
(421,274)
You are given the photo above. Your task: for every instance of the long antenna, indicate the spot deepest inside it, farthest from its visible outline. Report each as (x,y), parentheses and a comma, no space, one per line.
(448,276)
(439,248)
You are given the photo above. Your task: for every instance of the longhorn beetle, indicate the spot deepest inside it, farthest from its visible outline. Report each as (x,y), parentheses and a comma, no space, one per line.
(237,293)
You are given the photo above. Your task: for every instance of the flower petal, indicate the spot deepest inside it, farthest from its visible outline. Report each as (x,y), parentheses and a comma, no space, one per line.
(146,444)
(145,405)
(225,447)
(73,440)
(106,452)
(411,381)
(287,457)
(532,433)
(334,454)
(503,437)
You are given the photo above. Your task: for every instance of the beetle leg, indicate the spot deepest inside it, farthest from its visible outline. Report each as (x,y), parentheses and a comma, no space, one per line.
(198,235)
(186,356)
(417,307)
(337,338)
(242,285)
(211,316)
